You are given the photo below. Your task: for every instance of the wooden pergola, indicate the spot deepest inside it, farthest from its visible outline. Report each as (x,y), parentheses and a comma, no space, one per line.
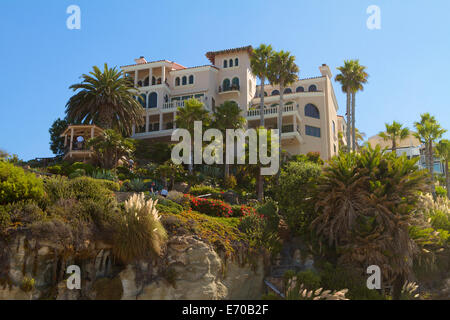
(75,138)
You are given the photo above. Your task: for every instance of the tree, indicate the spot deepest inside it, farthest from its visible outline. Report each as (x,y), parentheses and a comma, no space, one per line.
(394,132)
(428,130)
(169,171)
(106,99)
(56,141)
(110,147)
(352,77)
(259,62)
(282,71)
(192,111)
(3,154)
(365,205)
(359,79)
(228,116)
(443,151)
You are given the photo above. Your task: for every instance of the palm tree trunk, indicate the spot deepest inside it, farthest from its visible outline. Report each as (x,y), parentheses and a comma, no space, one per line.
(349,125)
(280,124)
(191,162)
(260,180)
(261,107)
(430,153)
(353,122)
(447,179)
(260,186)
(394,145)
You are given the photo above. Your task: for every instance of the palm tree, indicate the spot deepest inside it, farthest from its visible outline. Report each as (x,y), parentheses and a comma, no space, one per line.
(393,133)
(110,147)
(192,111)
(443,150)
(359,79)
(428,131)
(282,71)
(259,63)
(107,99)
(228,116)
(352,77)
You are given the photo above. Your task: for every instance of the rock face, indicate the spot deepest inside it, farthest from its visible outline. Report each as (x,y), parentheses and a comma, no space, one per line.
(190,269)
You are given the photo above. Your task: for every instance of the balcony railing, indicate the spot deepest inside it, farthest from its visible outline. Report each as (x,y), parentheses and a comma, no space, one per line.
(271,110)
(233,87)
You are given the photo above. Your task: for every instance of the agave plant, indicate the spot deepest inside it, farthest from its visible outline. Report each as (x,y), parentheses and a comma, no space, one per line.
(140,230)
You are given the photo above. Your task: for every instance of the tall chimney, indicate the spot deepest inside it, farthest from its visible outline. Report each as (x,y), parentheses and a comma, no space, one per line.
(325,71)
(140,60)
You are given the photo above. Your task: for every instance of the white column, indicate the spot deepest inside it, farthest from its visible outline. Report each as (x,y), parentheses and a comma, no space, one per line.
(174,120)
(295,122)
(150,76)
(71,138)
(160,121)
(147,122)
(92,132)
(135,78)
(163,74)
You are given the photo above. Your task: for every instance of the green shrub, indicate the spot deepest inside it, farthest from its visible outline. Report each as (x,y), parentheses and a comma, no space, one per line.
(168,206)
(296,181)
(16,184)
(104,175)
(77,173)
(200,190)
(230,182)
(180,198)
(137,185)
(241,210)
(310,279)
(56,169)
(441,192)
(86,167)
(110,185)
(269,211)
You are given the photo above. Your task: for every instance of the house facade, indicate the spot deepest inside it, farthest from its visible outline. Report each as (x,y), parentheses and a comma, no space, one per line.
(310,120)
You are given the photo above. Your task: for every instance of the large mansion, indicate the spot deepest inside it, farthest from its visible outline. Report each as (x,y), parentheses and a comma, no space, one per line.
(310,120)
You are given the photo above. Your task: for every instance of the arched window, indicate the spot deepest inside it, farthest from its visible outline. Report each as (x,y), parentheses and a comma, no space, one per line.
(226,84)
(287,90)
(274,105)
(334,128)
(139,83)
(275,93)
(143,100)
(146,82)
(153,100)
(312,88)
(225,63)
(236,62)
(158,81)
(184,80)
(191,79)
(235,83)
(177,81)
(153,81)
(312,111)
(231,63)
(300,89)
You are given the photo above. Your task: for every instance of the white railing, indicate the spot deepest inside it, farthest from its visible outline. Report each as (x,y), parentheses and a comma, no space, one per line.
(178,104)
(271,110)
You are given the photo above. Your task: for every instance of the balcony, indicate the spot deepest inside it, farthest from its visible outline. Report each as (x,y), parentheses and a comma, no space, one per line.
(273,112)
(234,88)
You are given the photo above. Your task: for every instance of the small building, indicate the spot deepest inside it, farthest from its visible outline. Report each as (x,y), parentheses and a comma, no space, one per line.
(75,139)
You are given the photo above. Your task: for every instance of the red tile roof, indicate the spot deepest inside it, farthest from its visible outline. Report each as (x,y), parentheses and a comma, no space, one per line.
(212,54)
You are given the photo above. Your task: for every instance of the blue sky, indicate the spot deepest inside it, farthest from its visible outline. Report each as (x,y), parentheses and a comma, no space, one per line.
(408,59)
